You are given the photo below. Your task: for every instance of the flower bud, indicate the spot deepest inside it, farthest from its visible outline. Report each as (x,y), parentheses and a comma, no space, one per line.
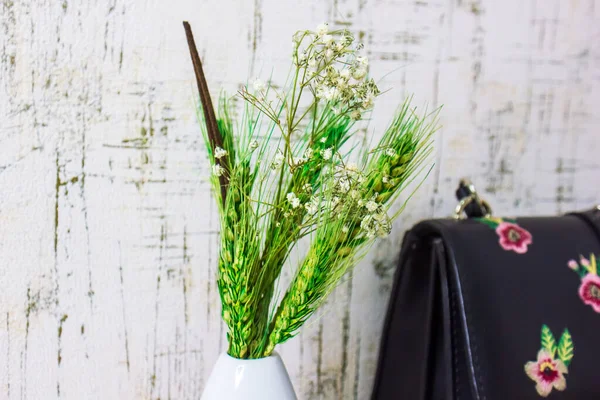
(344,251)
(230,235)
(398,171)
(406,158)
(392,183)
(383,197)
(377,183)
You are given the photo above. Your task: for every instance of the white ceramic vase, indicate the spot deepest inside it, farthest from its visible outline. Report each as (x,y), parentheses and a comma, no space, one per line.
(260,379)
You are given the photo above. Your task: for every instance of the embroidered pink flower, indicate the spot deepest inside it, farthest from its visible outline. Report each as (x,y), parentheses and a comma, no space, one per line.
(584,261)
(589,291)
(547,373)
(573,265)
(513,237)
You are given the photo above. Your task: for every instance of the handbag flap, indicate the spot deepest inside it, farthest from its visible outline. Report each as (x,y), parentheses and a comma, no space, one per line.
(527,303)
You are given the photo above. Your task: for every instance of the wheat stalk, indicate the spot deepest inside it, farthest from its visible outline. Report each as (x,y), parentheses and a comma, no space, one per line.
(338,246)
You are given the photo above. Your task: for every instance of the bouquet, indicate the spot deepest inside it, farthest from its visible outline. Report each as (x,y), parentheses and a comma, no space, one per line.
(288,178)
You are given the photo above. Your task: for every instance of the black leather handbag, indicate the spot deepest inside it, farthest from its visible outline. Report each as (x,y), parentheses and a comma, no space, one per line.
(487,308)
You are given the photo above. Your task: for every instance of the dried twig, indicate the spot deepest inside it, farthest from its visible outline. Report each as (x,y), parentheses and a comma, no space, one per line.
(214,135)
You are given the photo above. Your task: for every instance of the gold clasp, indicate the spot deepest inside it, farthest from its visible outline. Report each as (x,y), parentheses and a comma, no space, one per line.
(471,197)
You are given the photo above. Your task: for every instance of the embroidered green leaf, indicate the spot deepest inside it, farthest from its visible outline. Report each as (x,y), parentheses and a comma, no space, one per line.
(593,268)
(582,271)
(489,222)
(565,348)
(548,341)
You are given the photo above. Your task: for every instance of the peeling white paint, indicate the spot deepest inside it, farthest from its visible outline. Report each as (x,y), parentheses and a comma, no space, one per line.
(107,228)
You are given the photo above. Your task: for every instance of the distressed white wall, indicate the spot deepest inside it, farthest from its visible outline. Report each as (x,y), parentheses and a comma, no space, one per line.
(107,228)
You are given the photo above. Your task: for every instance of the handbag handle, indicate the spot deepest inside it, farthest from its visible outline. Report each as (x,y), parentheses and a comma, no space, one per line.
(469,202)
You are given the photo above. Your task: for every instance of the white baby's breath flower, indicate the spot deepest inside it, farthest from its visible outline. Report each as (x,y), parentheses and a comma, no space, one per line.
(308,153)
(390,152)
(364,61)
(359,73)
(307,188)
(345,229)
(355,115)
(368,100)
(253,144)
(323,140)
(383,226)
(327,153)
(367,225)
(354,194)
(352,167)
(376,225)
(299,161)
(277,160)
(322,91)
(322,29)
(347,39)
(341,83)
(329,54)
(293,200)
(330,73)
(332,93)
(259,85)
(220,153)
(336,110)
(312,63)
(371,206)
(217,170)
(385,179)
(327,40)
(345,73)
(312,207)
(344,184)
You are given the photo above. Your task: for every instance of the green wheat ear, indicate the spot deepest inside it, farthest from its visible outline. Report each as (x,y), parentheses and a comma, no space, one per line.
(548,341)
(565,348)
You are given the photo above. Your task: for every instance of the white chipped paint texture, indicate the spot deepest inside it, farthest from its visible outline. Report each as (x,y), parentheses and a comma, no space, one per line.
(108,234)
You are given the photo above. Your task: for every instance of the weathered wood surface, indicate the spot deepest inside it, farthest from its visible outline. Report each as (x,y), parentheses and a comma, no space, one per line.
(107,228)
